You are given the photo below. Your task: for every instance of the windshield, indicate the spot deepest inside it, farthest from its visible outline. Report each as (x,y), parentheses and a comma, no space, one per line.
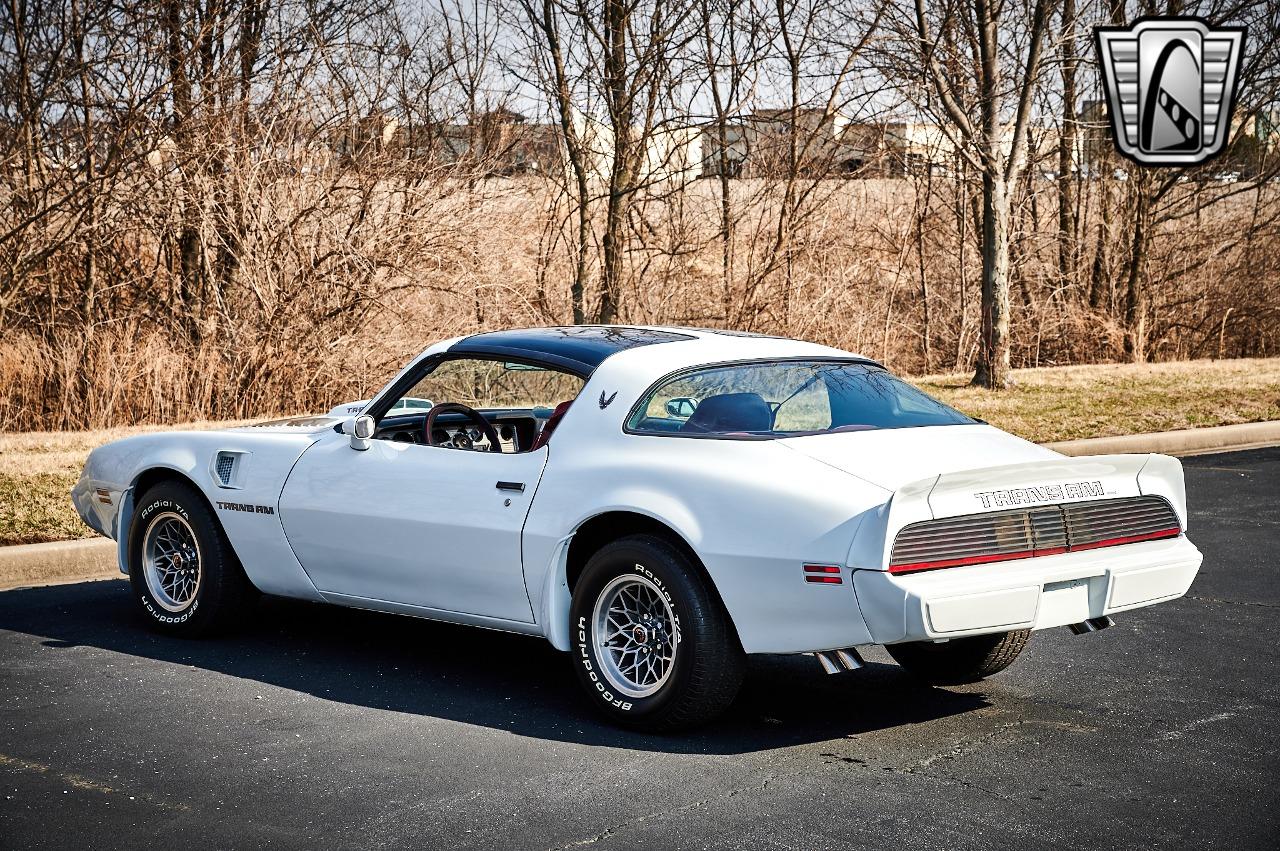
(486,384)
(786,399)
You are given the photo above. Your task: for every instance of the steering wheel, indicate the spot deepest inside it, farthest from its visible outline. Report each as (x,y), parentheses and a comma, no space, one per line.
(490,433)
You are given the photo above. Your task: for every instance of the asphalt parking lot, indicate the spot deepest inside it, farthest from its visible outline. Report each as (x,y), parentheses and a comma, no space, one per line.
(322,727)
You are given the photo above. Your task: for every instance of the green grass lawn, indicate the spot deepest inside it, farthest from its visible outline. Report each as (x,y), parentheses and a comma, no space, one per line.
(37,469)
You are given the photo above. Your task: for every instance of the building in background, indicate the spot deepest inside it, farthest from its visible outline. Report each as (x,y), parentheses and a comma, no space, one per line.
(760,144)
(916,147)
(674,154)
(728,157)
(780,142)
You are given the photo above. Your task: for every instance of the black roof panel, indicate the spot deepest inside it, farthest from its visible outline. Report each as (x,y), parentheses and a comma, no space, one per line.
(728,332)
(580,348)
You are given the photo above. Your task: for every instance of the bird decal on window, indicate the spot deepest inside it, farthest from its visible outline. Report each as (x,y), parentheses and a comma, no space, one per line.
(604,403)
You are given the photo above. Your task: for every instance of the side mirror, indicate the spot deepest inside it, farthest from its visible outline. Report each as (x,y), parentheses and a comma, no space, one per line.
(361,430)
(682,407)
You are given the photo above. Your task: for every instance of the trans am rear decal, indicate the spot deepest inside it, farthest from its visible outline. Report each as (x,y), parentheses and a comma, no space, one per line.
(1040,493)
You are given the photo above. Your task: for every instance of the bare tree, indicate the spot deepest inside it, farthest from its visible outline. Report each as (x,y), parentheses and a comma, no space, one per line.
(228,208)
(981,65)
(797,144)
(611,71)
(732,42)
(553,31)
(641,47)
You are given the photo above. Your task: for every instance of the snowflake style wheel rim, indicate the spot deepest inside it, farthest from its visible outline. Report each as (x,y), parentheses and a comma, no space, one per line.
(171,562)
(636,635)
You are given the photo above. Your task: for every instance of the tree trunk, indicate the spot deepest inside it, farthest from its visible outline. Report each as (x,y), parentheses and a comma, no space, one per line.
(922,212)
(616,14)
(1098,285)
(993,344)
(578,287)
(613,244)
(793,165)
(90,286)
(725,234)
(726,226)
(574,154)
(189,248)
(1066,151)
(1135,296)
(962,219)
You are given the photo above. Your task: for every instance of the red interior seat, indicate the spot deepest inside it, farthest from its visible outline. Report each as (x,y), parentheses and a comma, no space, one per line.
(552,422)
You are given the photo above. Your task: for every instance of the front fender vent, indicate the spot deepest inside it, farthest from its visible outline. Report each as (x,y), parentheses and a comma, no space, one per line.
(1024,533)
(226,469)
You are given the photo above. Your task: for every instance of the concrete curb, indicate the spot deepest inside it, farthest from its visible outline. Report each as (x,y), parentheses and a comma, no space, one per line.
(57,563)
(1190,441)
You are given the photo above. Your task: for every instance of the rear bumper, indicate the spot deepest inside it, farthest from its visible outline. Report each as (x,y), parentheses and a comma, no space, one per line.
(1034,593)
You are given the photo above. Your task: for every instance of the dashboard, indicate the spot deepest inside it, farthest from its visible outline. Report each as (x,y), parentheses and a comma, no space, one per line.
(517,430)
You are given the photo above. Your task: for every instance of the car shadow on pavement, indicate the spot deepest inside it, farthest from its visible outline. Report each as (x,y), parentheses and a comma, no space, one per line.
(513,683)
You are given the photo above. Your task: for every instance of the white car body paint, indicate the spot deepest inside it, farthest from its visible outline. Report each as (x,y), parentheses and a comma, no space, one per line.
(416,525)
(423,530)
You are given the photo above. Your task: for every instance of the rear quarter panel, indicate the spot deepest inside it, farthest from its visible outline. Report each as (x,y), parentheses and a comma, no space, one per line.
(752,511)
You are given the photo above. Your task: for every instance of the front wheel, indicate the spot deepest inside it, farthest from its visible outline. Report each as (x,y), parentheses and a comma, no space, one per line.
(183,571)
(653,645)
(960,660)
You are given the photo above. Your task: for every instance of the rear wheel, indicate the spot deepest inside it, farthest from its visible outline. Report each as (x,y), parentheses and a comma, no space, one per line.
(960,660)
(183,571)
(653,645)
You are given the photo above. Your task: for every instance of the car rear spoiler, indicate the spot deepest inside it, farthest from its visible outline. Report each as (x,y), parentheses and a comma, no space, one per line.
(983,489)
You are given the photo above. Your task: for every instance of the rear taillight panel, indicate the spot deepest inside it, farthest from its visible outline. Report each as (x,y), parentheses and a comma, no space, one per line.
(1025,533)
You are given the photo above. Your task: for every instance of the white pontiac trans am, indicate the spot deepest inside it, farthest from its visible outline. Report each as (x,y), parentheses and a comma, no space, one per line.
(657,502)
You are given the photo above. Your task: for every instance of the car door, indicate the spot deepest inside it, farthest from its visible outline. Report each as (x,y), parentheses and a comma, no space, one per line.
(423,526)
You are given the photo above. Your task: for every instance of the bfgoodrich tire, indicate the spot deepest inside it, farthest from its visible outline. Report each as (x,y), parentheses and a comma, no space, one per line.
(184,574)
(960,660)
(652,644)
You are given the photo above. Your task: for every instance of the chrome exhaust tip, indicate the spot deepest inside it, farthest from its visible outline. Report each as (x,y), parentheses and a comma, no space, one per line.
(825,661)
(849,659)
(1092,625)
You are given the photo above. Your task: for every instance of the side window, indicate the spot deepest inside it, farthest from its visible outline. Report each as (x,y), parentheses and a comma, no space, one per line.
(808,410)
(675,400)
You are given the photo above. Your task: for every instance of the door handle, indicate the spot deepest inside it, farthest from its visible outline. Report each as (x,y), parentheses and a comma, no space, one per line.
(511,486)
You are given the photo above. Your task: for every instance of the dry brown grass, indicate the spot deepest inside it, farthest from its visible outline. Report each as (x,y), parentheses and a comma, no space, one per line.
(37,472)
(1065,403)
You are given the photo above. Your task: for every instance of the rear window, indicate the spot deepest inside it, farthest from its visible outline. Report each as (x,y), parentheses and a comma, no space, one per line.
(786,399)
